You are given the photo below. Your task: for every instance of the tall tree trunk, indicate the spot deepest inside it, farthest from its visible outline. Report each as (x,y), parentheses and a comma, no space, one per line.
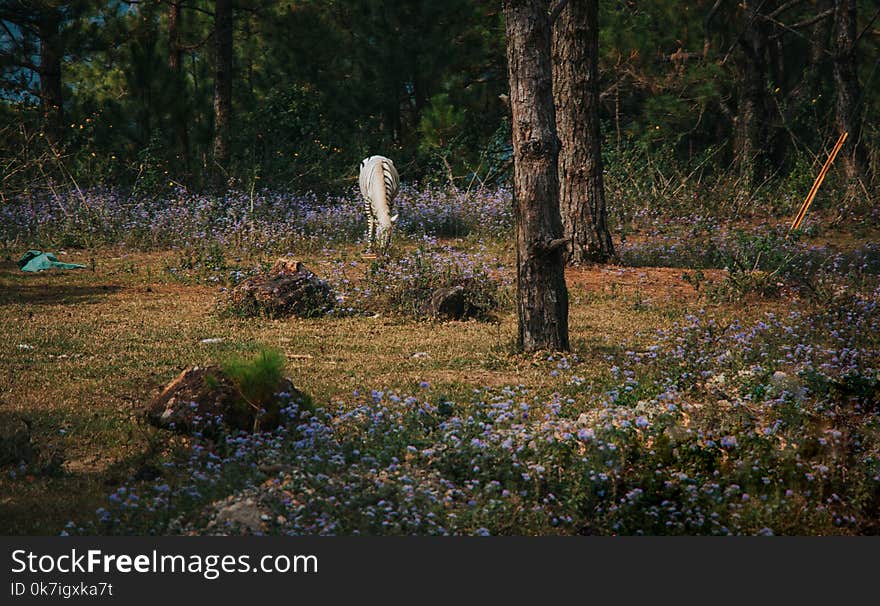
(576,94)
(815,70)
(175,64)
(750,131)
(846,81)
(542,297)
(51,93)
(777,148)
(222,90)
(819,35)
(817,66)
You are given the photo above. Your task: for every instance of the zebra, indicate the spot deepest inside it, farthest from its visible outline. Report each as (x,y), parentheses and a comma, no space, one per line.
(379,184)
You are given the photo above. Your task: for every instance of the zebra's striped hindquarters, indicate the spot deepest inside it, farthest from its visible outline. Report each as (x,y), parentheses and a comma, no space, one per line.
(379,183)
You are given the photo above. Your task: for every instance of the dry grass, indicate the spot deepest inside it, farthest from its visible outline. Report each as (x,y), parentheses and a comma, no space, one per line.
(81,352)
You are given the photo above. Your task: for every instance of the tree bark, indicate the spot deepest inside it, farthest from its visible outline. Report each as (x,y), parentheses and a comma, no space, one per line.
(576,94)
(846,82)
(815,71)
(222,90)
(51,92)
(542,297)
(819,36)
(751,117)
(175,64)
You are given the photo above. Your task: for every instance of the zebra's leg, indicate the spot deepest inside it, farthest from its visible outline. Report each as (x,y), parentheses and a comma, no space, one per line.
(371,230)
(369,216)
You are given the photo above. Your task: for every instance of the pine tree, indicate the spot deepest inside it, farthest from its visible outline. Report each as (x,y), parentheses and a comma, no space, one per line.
(542,297)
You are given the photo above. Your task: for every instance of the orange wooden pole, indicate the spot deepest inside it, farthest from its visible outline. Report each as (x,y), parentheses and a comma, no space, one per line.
(813,190)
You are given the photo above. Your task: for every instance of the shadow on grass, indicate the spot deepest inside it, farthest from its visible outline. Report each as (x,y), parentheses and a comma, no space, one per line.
(35,501)
(52,294)
(41,506)
(37,504)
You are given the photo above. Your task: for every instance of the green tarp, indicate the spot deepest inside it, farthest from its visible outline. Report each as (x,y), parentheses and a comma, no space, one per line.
(36,260)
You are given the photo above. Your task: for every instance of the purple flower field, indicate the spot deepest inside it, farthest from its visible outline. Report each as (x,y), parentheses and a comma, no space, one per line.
(265,222)
(767,425)
(771,427)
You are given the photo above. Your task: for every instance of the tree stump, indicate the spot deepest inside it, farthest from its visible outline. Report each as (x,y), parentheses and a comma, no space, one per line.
(289,289)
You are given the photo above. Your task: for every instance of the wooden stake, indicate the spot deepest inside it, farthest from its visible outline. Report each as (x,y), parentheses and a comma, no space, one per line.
(809,200)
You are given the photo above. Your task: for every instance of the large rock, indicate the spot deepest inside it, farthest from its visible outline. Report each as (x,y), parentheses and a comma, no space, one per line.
(15,441)
(242,516)
(245,512)
(287,289)
(203,399)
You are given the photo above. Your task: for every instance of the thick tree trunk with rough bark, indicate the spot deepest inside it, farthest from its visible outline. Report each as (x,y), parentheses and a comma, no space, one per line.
(848,91)
(576,94)
(51,93)
(222,89)
(542,297)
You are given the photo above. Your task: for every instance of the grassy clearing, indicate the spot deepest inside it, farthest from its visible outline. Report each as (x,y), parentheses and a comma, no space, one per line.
(756,411)
(81,352)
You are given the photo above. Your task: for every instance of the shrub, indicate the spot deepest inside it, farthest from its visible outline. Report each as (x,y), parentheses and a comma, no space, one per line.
(259,381)
(404,284)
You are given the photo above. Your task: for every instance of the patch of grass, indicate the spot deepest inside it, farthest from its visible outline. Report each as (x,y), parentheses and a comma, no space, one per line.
(256,379)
